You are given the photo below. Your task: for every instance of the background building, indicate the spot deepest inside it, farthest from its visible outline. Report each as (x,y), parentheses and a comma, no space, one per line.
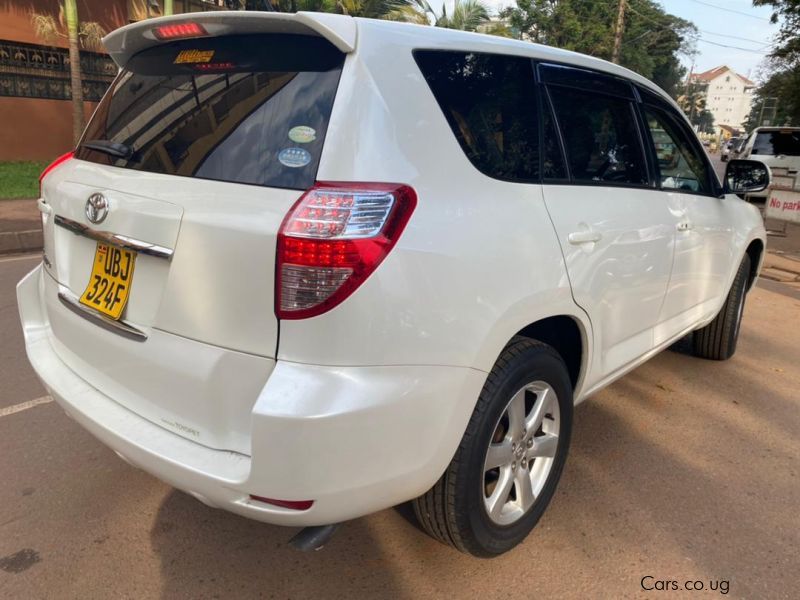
(728,95)
(35,107)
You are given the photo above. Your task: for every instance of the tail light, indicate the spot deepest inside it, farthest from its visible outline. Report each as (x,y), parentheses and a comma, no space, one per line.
(61,159)
(179,31)
(332,239)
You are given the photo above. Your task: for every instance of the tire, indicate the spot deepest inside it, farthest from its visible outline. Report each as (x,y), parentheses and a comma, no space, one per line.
(717,340)
(456,510)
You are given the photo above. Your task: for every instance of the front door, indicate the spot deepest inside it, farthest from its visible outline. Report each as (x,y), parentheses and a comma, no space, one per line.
(704,249)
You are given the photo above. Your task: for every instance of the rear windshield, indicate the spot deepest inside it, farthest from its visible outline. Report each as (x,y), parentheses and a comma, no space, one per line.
(772,143)
(246,109)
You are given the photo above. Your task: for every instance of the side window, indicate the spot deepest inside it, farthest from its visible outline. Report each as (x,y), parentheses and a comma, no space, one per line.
(680,164)
(489,100)
(601,137)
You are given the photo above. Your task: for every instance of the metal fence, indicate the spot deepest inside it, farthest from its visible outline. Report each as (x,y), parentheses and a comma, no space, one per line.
(38,71)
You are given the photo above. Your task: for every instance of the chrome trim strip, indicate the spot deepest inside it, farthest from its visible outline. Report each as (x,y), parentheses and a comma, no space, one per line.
(122,241)
(120,327)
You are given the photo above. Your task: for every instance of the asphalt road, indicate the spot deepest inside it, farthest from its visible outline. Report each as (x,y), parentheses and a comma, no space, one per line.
(684,470)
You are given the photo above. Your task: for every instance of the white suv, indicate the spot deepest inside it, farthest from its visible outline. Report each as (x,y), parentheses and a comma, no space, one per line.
(777,147)
(306,267)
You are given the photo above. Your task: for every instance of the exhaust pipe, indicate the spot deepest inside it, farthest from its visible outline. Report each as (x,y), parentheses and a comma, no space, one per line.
(313,538)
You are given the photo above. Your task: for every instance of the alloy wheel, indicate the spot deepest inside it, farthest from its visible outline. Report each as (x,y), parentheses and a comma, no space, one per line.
(521,453)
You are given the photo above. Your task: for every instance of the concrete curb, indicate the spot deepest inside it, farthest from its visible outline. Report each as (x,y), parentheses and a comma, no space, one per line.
(779,267)
(12,242)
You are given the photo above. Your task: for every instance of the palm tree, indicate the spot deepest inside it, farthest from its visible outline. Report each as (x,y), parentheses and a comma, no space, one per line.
(371,9)
(328,6)
(467,15)
(692,101)
(88,35)
(394,10)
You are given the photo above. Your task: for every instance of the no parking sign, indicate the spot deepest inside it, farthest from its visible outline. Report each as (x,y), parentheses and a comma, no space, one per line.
(784,198)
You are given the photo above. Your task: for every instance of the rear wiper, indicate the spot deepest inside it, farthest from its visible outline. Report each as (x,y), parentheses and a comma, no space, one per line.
(109,147)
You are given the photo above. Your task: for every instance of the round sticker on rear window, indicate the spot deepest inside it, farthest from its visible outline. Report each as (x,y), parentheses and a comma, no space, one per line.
(302,134)
(294,157)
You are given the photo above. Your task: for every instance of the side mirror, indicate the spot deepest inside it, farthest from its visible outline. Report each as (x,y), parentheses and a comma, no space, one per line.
(746,176)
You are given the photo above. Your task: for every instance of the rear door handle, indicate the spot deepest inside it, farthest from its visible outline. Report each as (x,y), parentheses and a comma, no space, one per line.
(584,237)
(685,226)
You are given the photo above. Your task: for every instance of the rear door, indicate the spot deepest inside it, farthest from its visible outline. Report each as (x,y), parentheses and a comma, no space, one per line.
(188,167)
(615,230)
(199,148)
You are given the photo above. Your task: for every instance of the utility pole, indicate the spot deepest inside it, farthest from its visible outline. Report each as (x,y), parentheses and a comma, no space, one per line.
(691,90)
(618,32)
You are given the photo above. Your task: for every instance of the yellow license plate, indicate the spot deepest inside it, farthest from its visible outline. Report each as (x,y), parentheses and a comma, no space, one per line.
(110,283)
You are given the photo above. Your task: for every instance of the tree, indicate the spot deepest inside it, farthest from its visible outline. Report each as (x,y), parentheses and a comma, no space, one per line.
(777,99)
(372,9)
(499,28)
(781,87)
(704,121)
(692,97)
(467,15)
(652,40)
(571,24)
(787,12)
(692,100)
(88,35)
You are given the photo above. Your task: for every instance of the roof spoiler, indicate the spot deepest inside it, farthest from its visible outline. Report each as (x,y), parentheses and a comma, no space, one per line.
(339,30)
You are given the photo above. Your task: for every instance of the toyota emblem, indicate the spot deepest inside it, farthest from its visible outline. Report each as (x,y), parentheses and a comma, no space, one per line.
(96,208)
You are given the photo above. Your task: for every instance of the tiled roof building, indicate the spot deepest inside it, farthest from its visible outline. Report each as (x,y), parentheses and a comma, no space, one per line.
(729,95)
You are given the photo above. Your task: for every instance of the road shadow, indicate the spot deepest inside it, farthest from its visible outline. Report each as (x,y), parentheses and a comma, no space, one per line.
(221,555)
(682,346)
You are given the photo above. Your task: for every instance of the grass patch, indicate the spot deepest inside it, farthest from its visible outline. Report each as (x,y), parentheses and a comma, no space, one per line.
(20,179)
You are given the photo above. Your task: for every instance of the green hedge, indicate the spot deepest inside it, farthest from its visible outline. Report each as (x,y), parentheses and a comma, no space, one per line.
(20,179)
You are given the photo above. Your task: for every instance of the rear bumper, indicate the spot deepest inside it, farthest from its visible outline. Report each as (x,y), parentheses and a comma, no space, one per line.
(353,439)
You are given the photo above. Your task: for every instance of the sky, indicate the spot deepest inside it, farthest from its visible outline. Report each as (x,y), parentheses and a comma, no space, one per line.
(751,30)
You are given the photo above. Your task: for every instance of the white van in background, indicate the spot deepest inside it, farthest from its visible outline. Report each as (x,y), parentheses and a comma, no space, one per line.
(777,147)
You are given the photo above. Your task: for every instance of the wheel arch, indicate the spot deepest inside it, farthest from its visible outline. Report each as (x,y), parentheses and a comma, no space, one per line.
(568,336)
(755,250)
